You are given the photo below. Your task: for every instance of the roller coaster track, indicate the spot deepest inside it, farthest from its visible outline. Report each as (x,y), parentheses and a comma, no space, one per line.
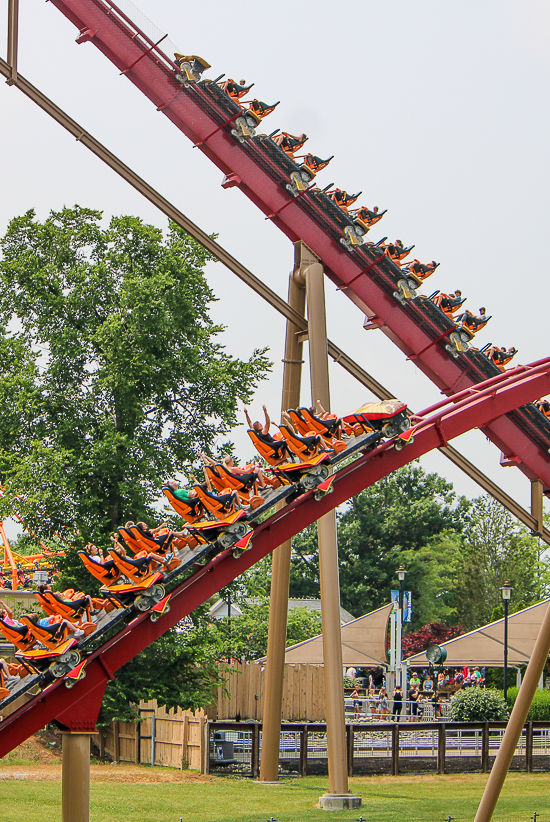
(77,709)
(273,299)
(205,114)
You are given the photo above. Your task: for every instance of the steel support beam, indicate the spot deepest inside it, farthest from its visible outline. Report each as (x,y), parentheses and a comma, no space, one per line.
(280,570)
(13,40)
(253,282)
(75,777)
(328,563)
(516,722)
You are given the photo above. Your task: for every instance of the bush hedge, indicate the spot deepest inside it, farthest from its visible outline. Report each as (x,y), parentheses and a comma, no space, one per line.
(478,705)
(540,707)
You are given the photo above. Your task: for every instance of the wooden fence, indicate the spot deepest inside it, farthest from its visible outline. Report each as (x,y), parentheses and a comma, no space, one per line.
(175,738)
(242,697)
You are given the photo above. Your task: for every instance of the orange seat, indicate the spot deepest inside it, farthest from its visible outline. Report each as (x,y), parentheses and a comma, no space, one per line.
(219,508)
(191,511)
(247,491)
(135,572)
(303,450)
(45,636)
(105,575)
(18,635)
(54,604)
(267,451)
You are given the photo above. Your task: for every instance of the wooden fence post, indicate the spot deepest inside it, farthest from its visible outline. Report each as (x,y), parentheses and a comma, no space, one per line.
(395,750)
(255,751)
(204,742)
(184,741)
(529,747)
(350,740)
(441,747)
(116,744)
(137,742)
(485,748)
(303,751)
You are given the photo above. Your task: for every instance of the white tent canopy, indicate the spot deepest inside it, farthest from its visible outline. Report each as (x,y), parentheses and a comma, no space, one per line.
(363,642)
(485,646)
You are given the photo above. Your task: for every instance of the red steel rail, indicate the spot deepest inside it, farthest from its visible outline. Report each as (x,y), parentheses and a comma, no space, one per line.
(77,709)
(200,112)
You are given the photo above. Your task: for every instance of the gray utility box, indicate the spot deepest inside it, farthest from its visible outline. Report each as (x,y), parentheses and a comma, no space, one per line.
(222,752)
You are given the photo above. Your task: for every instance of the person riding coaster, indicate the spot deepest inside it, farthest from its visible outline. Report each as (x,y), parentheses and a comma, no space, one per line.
(10,675)
(472,322)
(343,199)
(387,416)
(235,90)
(448,303)
(290,143)
(397,251)
(500,356)
(365,217)
(249,485)
(420,271)
(273,449)
(75,606)
(329,426)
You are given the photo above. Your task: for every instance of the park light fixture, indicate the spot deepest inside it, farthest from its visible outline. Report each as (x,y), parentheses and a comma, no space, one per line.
(401,574)
(506,592)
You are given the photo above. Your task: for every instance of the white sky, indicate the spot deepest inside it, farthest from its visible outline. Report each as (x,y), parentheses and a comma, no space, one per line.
(437,111)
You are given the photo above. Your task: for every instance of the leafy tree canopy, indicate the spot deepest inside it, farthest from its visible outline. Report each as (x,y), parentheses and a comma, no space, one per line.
(409,517)
(111,377)
(245,637)
(497,549)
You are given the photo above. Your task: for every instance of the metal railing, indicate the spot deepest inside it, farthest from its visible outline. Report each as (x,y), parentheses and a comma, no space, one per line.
(381,747)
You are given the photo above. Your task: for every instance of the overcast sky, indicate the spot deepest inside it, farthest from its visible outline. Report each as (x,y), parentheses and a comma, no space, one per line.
(437,111)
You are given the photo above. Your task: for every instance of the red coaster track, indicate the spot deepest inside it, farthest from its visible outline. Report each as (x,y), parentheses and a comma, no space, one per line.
(205,114)
(77,709)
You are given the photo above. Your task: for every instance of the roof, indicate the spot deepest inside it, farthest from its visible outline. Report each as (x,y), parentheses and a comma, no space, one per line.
(485,645)
(363,642)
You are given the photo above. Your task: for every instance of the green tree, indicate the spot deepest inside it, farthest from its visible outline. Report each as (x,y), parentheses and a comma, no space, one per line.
(178,669)
(411,518)
(245,636)
(496,549)
(111,377)
(478,705)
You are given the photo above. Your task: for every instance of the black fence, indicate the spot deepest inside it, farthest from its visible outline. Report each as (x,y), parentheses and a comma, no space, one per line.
(380,748)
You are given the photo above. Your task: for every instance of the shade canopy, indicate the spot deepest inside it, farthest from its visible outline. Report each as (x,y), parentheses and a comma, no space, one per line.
(363,642)
(485,646)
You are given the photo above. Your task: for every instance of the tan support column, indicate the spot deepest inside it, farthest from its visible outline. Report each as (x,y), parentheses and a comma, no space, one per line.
(13,20)
(536,506)
(516,722)
(280,572)
(76,777)
(338,796)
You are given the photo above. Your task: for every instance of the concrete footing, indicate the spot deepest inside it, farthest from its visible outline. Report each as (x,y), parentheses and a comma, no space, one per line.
(339,802)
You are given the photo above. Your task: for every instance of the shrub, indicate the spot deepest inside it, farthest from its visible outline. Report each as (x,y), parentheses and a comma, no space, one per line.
(540,707)
(478,705)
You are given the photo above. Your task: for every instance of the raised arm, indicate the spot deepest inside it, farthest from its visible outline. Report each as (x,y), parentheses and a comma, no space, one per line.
(267,420)
(248,420)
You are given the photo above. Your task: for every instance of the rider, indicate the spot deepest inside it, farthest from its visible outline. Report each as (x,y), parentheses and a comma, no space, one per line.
(277,443)
(290,143)
(472,321)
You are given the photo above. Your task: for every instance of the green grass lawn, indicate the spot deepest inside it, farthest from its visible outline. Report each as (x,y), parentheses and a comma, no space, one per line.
(385,799)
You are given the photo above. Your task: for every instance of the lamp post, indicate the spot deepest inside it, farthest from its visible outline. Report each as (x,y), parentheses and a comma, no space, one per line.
(399,632)
(506,592)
